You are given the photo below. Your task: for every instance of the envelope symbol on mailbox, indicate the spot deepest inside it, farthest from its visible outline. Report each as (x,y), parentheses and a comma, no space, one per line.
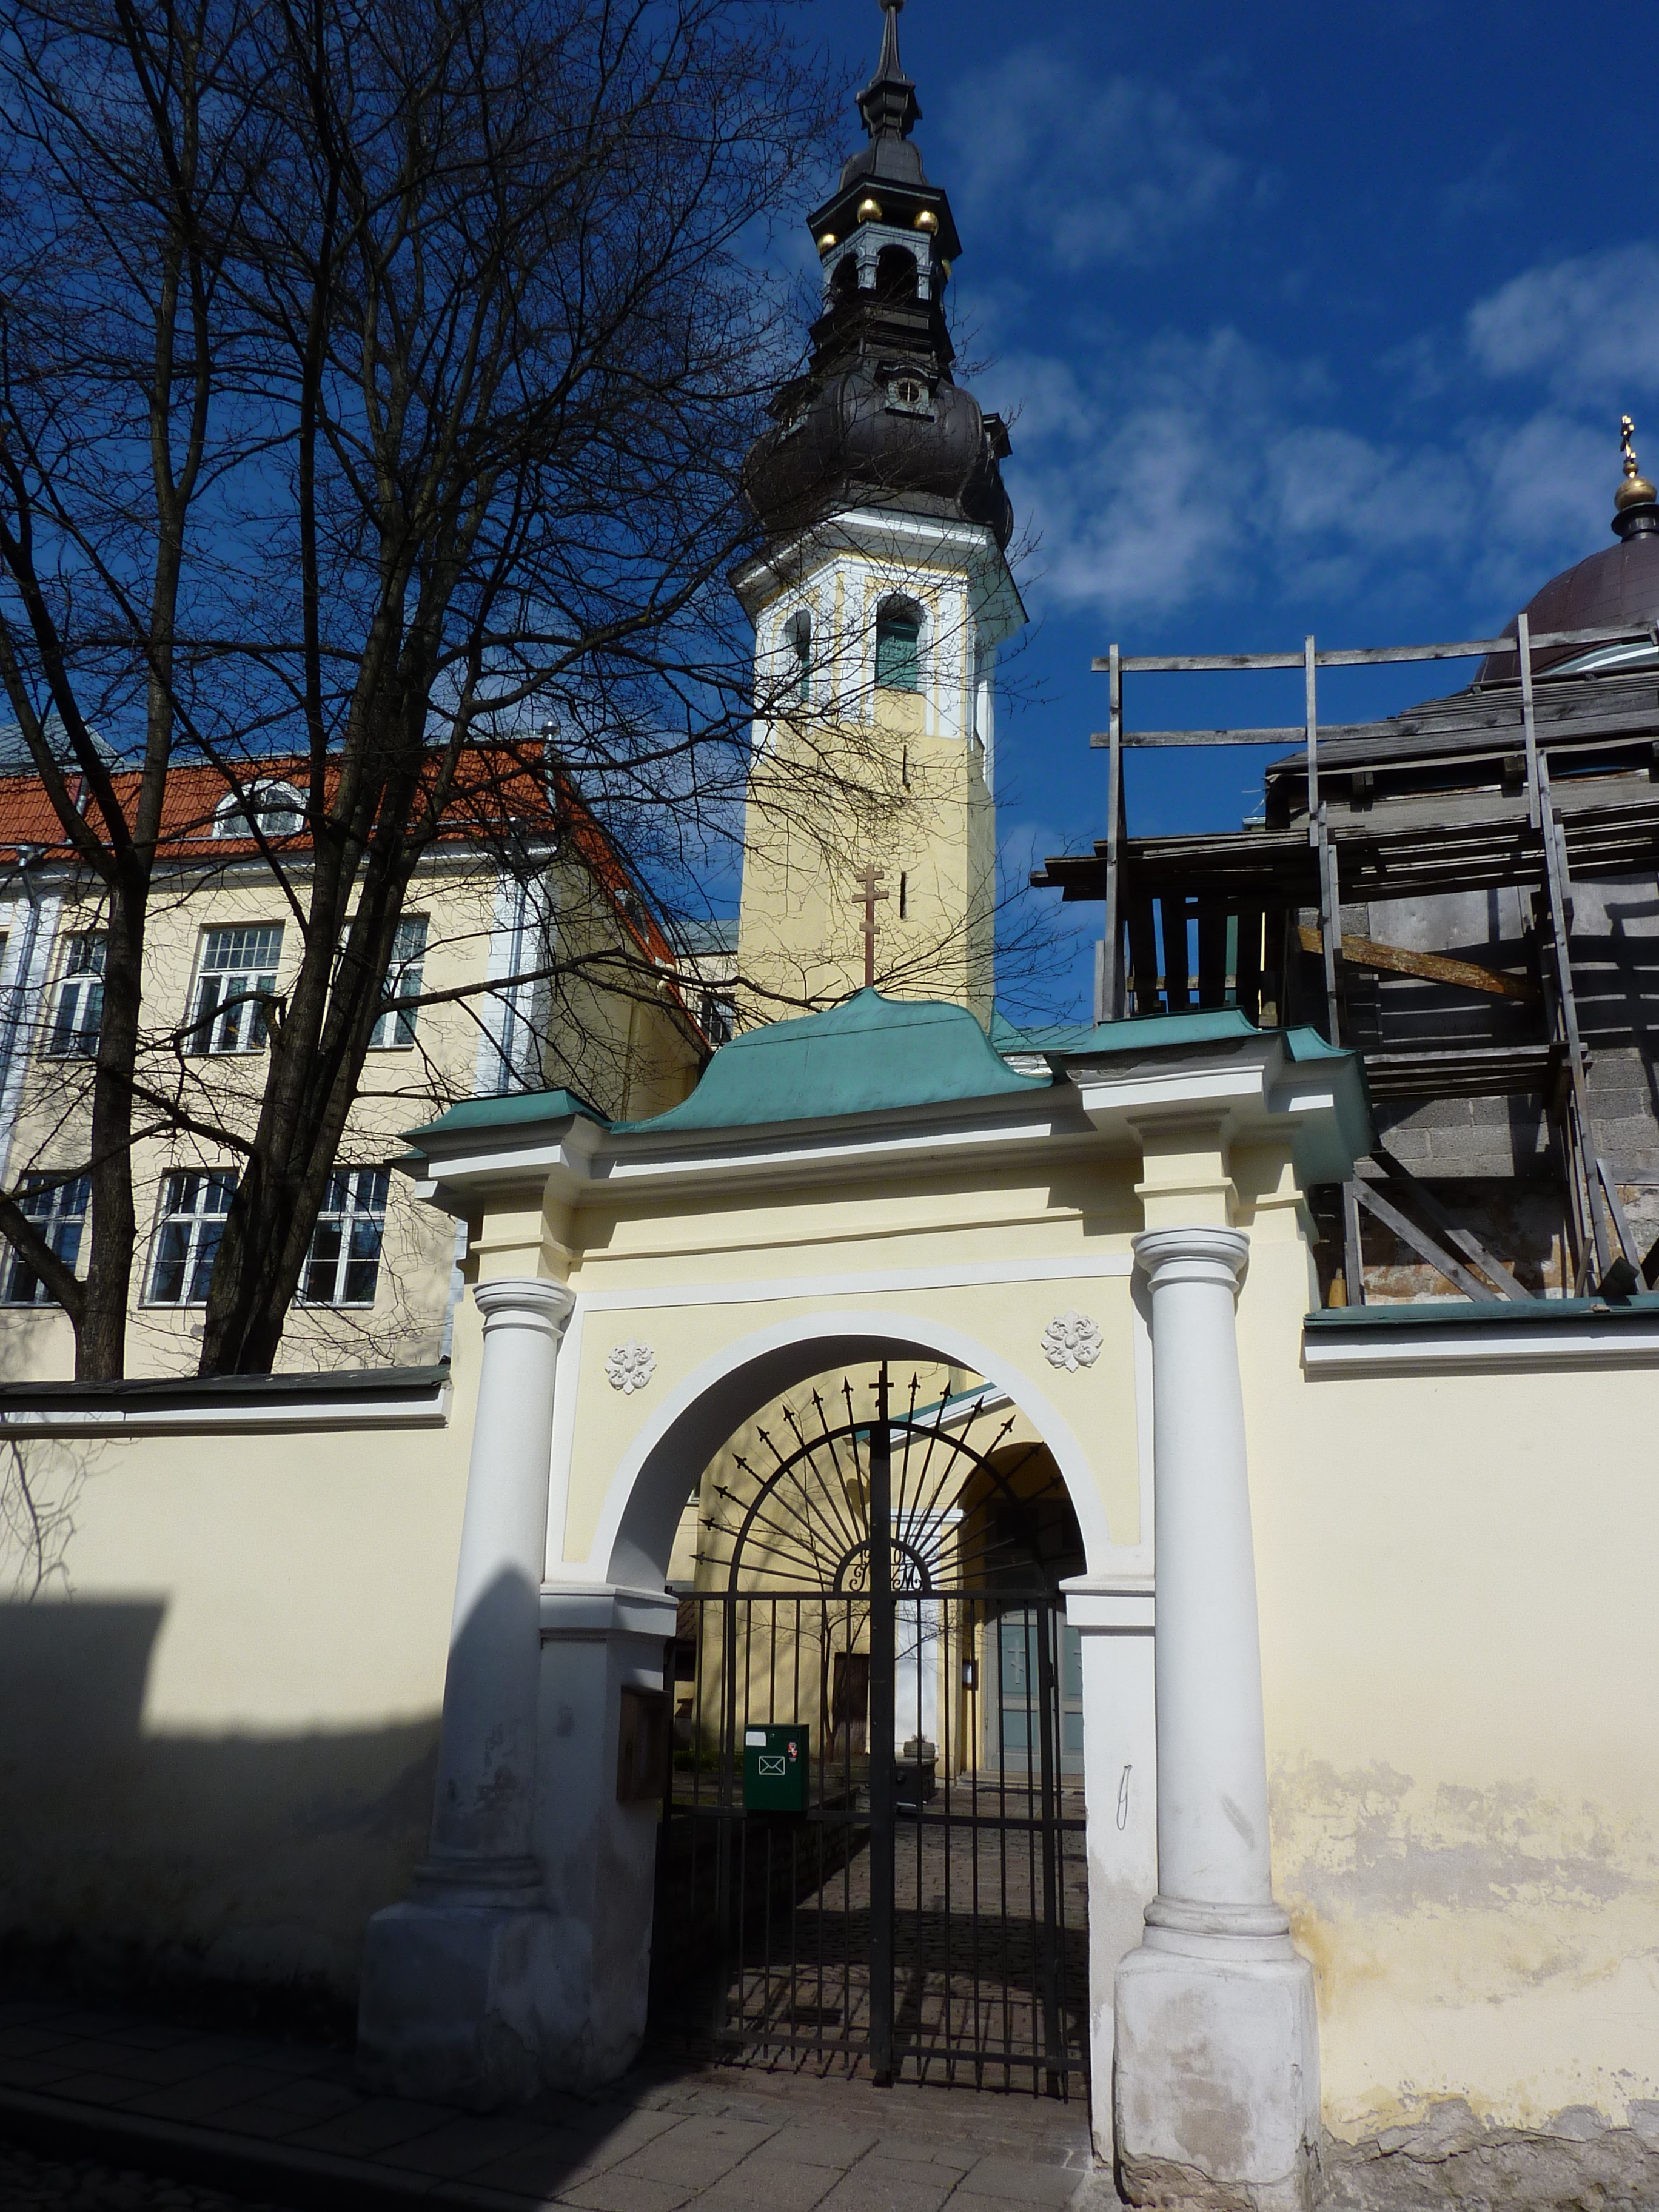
(770,1763)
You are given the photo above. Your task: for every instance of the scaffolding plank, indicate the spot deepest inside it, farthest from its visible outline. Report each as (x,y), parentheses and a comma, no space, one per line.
(1420,1242)
(1427,967)
(1476,648)
(1507,1070)
(1418,1193)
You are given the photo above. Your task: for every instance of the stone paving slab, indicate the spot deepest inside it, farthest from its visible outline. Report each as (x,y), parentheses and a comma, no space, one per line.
(283,2122)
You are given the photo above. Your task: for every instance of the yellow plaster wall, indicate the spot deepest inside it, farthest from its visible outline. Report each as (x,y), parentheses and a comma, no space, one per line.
(1456,1573)
(220,1711)
(1460,1644)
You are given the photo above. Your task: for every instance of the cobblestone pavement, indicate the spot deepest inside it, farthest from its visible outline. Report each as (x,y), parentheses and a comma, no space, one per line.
(28,2184)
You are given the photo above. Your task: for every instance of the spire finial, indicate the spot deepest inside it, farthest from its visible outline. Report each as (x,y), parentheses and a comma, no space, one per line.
(888,103)
(1634,507)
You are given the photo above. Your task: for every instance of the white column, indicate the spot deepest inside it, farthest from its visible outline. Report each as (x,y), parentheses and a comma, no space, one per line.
(1217,2093)
(460,1997)
(1212,1859)
(485,1805)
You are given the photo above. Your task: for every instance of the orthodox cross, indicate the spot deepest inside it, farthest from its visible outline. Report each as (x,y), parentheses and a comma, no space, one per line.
(869,894)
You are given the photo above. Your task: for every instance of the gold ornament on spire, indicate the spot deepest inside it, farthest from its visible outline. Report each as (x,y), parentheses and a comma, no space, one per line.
(1634,491)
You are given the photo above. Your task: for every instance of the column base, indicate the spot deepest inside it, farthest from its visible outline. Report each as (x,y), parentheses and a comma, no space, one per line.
(1216,2087)
(462,2004)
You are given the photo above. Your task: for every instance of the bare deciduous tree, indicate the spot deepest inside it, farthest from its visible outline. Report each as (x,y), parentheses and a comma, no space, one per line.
(372,380)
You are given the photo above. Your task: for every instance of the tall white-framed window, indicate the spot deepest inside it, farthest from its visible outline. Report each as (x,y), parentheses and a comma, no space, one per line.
(277,808)
(798,652)
(194,1204)
(234,987)
(343,1264)
(79,1014)
(898,645)
(58,1211)
(395,1030)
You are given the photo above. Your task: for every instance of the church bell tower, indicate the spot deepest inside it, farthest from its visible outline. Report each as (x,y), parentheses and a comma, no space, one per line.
(880,602)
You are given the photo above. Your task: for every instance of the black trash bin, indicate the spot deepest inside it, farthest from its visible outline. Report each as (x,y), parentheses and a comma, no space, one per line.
(915,1775)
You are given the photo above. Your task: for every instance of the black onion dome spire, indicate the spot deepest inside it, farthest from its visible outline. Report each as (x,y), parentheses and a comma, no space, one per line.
(877,419)
(889,108)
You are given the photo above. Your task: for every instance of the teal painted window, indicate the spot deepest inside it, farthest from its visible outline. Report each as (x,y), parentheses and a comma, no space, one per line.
(899,648)
(798,635)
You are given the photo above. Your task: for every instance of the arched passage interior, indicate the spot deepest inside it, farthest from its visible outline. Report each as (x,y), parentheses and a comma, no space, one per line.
(778,1927)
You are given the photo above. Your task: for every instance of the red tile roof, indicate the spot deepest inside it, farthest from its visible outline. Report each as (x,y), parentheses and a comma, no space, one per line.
(493,786)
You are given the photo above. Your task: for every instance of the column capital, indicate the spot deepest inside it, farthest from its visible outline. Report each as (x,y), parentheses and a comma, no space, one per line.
(525,1301)
(1193,1255)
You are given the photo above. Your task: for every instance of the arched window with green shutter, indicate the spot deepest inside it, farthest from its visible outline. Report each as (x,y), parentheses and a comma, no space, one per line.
(899,647)
(798,637)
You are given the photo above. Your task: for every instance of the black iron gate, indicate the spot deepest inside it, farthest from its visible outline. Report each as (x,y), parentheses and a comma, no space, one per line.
(889,1588)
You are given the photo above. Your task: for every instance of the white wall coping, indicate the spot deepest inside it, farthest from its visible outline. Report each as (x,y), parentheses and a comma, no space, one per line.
(227,1404)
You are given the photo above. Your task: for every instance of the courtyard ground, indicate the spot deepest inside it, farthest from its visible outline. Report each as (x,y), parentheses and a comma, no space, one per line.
(116,2111)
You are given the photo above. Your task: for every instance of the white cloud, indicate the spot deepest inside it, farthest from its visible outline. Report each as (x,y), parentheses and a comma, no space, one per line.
(1588,327)
(1086,172)
(1184,469)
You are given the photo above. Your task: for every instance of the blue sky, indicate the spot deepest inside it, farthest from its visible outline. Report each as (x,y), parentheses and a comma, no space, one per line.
(1305,318)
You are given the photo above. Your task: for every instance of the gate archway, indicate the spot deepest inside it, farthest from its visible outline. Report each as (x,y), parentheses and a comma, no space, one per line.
(876,1820)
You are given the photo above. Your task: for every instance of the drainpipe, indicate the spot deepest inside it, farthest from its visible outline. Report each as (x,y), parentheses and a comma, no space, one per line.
(28,855)
(505,1080)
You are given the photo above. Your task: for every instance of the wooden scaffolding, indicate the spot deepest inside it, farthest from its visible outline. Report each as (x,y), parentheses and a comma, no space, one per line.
(1523,781)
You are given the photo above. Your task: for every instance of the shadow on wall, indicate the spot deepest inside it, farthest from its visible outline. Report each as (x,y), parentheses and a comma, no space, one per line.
(188,1859)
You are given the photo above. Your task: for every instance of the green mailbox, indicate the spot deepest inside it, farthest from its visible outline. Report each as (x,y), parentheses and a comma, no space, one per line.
(776,1763)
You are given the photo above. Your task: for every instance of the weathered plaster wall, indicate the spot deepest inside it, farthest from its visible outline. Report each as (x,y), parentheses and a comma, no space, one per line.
(1459,1645)
(217,1714)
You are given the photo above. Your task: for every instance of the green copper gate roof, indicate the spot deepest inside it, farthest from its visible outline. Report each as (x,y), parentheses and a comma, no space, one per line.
(868,1056)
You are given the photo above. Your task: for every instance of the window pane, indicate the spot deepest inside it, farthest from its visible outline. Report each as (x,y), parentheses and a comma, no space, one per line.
(196,1201)
(403,980)
(207,1251)
(343,1264)
(244,948)
(800,645)
(239,968)
(255,1027)
(167,1282)
(322,1265)
(80,1009)
(897,656)
(363,1268)
(59,1211)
